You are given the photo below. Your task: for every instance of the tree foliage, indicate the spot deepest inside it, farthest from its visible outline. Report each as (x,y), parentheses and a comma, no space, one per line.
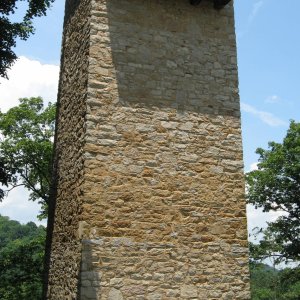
(21,260)
(267,248)
(269,283)
(275,186)
(10,31)
(5,177)
(26,147)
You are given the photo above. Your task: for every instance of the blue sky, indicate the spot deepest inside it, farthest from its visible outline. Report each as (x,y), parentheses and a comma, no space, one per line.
(268,59)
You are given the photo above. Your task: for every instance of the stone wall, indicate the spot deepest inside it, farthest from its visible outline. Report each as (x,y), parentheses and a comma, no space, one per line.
(70,134)
(159,198)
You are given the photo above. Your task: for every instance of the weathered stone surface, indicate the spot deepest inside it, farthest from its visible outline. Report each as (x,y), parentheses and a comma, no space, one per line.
(188,292)
(115,294)
(66,244)
(150,196)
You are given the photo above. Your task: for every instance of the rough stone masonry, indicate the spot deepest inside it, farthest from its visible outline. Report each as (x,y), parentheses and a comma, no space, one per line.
(149,190)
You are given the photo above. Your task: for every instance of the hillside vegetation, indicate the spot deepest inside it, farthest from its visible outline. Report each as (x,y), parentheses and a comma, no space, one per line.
(21,260)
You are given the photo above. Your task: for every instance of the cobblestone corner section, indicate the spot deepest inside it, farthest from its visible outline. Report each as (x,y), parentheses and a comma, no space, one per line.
(65,254)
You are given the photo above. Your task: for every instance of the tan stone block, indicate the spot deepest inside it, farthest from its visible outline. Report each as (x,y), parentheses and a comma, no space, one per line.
(188,292)
(115,294)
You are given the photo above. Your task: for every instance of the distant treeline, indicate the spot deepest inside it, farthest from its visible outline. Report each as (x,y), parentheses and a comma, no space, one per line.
(268,283)
(21,260)
(21,267)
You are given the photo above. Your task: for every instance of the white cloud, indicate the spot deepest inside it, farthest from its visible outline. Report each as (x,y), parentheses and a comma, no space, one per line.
(253,166)
(255,9)
(256,218)
(28,78)
(264,116)
(273,99)
(17,207)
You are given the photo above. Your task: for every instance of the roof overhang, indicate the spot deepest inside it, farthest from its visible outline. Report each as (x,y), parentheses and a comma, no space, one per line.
(218,4)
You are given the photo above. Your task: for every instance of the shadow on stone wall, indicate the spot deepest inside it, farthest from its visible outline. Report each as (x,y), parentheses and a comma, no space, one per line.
(166,56)
(89,275)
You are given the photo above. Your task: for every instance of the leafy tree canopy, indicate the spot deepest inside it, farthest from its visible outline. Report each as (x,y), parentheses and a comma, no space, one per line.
(10,31)
(12,230)
(26,144)
(275,186)
(269,283)
(21,260)
(267,248)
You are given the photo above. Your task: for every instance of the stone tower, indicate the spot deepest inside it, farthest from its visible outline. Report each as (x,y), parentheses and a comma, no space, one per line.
(149,191)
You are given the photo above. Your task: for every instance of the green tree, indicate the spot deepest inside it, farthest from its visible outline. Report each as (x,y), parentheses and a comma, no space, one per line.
(21,260)
(271,284)
(12,230)
(5,178)
(290,283)
(26,147)
(263,281)
(267,248)
(10,31)
(275,186)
